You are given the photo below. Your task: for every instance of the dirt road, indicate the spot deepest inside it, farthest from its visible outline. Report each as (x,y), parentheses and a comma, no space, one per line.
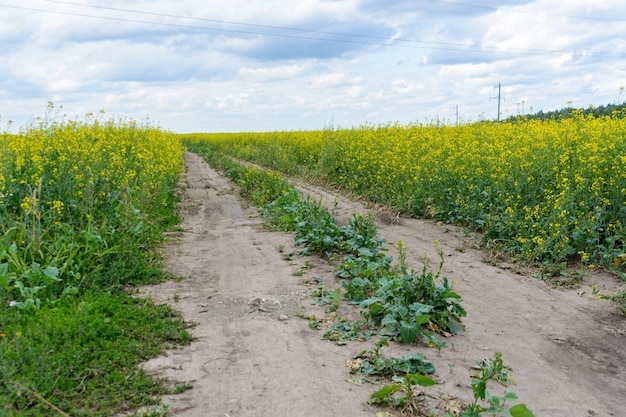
(253,357)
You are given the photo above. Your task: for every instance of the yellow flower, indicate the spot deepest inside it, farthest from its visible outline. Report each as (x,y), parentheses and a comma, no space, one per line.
(57,206)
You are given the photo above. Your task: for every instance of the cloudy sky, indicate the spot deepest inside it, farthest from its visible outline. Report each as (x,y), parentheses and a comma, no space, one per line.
(259,65)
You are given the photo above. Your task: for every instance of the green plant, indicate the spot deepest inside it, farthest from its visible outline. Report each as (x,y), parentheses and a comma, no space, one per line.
(317,231)
(341,331)
(314,322)
(182,388)
(405,372)
(401,393)
(372,364)
(486,403)
(365,258)
(325,297)
(361,237)
(303,268)
(406,304)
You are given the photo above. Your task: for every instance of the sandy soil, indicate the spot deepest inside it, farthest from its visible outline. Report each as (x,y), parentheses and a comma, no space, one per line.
(251,356)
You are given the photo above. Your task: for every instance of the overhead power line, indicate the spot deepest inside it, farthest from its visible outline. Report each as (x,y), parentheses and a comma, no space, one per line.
(317,35)
(202,19)
(522,11)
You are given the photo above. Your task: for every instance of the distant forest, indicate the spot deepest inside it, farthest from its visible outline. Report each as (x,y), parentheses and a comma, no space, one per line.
(616,110)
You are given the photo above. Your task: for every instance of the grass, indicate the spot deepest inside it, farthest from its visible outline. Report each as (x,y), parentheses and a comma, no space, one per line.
(83,354)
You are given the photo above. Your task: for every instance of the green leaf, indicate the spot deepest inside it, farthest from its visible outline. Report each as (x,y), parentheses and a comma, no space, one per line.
(420,308)
(412,363)
(389,320)
(421,380)
(6,277)
(408,332)
(383,394)
(422,319)
(510,396)
(328,242)
(370,302)
(399,309)
(52,273)
(430,339)
(520,410)
(478,388)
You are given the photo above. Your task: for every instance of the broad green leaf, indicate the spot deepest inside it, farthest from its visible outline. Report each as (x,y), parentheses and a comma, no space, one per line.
(422,319)
(421,380)
(520,410)
(384,393)
(389,320)
(408,332)
(368,303)
(414,363)
(478,388)
(397,309)
(420,308)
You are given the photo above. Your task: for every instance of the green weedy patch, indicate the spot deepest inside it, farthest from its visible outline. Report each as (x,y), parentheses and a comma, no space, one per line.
(82,355)
(406,304)
(373,365)
(406,372)
(488,404)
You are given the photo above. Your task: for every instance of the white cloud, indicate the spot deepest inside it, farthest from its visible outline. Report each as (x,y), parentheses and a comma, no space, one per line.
(276,65)
(273,73)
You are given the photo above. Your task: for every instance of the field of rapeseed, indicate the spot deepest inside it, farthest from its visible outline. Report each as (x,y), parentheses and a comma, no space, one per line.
(82,205)
(543,191)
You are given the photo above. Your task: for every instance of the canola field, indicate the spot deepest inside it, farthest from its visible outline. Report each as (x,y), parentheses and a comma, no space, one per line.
(66,190)
(543,191)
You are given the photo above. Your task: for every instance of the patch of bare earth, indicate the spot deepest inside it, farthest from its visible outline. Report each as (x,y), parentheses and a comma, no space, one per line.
(251,356)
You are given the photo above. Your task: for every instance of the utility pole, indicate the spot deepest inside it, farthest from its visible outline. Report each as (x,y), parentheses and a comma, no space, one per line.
(457,114)
(499,87)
